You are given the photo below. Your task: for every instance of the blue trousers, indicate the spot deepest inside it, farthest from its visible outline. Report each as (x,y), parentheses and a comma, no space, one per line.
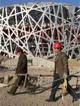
(56,84)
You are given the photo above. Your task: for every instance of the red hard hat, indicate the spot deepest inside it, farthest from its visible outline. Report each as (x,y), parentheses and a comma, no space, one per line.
(57,45)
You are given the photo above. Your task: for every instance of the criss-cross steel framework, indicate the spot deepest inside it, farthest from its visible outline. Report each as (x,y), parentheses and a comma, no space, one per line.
(36,26)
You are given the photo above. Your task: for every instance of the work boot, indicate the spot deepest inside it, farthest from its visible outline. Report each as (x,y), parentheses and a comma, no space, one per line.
(51,99)
(74,99)
(10,93)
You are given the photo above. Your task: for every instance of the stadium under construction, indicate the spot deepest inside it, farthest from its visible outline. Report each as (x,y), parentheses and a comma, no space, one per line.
(36,26)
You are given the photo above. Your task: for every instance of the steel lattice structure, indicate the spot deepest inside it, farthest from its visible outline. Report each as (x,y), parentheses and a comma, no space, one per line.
(36,26)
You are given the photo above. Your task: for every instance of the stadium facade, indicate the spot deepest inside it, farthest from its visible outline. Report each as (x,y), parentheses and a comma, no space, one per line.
(36,26)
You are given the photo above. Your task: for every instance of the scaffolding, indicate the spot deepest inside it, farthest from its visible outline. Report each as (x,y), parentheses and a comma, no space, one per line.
(35,27)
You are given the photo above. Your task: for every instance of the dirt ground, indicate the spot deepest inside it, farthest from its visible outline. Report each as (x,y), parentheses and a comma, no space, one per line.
(23,98)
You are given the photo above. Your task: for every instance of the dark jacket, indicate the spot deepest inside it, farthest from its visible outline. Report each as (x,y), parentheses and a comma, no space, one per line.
(61,64)
(22,64)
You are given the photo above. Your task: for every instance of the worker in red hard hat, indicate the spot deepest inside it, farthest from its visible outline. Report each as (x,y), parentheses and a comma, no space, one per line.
(61,72)
(57,47)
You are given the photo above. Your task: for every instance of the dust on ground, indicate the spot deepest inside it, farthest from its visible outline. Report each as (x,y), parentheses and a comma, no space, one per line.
(23,98)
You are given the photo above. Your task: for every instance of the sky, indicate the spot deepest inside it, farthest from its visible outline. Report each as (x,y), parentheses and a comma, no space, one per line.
(12,2)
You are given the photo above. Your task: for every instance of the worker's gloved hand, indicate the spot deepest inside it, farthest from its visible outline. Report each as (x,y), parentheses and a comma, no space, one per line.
(64,87)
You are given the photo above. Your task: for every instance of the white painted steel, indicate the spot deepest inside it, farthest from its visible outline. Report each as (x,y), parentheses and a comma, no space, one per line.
(35,27)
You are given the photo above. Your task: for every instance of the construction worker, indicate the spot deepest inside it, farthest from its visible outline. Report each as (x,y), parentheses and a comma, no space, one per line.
(61,71)
(21,69)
